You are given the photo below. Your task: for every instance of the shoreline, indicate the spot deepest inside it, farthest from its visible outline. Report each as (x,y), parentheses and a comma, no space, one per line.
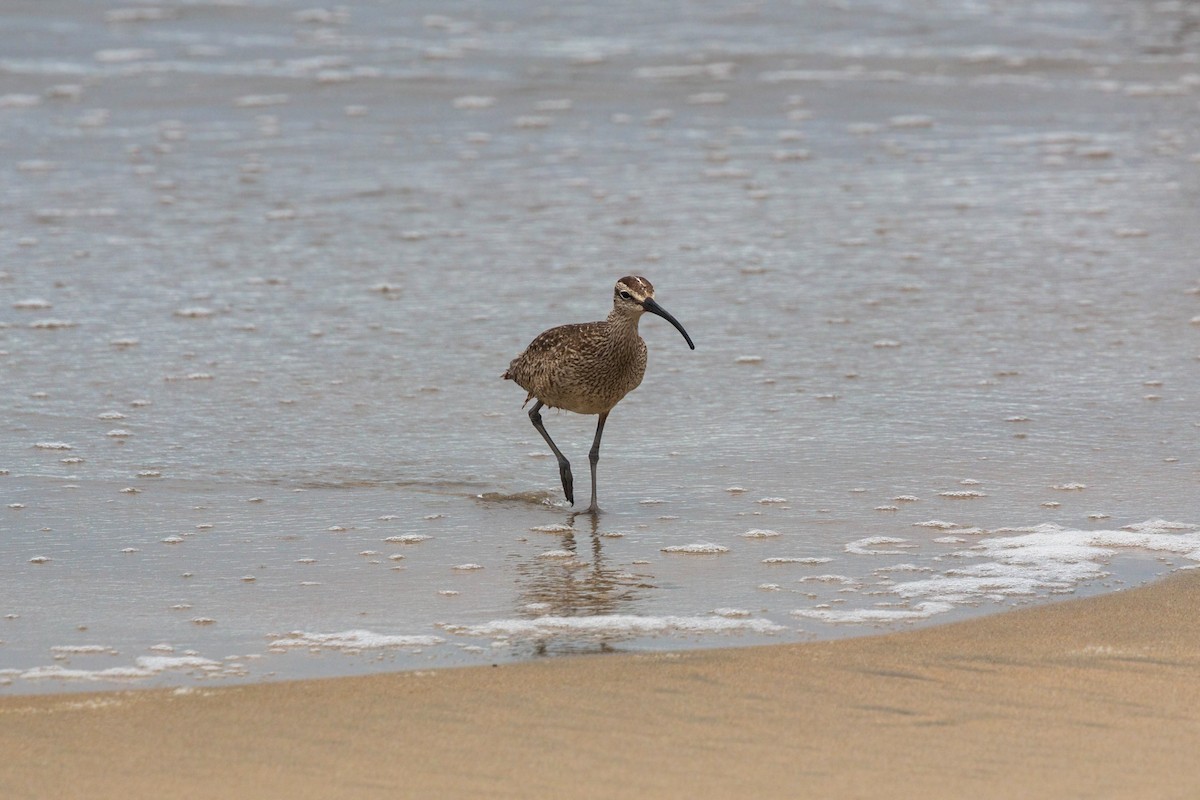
(1087,697)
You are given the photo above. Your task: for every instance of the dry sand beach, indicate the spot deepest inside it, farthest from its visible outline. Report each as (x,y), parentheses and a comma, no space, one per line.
(1086,698)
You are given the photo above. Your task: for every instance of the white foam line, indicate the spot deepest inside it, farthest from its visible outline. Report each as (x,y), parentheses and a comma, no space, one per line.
(613,624)
(352,640)
(144,667)
(1047,558)
(870,615)
(1017,562)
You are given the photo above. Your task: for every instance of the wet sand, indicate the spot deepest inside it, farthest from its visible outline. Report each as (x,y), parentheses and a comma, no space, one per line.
(1097,697)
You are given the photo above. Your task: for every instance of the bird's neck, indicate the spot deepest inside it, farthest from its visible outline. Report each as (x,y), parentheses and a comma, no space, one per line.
(623,325)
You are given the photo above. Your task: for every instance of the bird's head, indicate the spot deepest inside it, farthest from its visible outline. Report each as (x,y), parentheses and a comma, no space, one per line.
(634,295)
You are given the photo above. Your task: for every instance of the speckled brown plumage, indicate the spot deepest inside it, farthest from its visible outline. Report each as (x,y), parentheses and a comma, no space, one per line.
(588,367)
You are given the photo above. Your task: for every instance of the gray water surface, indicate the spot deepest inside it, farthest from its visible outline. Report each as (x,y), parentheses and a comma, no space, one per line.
(262,265)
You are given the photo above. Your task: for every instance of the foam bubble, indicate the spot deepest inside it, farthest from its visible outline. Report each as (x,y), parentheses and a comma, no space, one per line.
(123,55)
(696,549)
(120,15)
(83,649)
(19,100)
(869,546)
(717,70)
(759,533)
(911,121)
(841,579)
(532,121)
(195,312)
(260,100)
(1155,526)
(555,528)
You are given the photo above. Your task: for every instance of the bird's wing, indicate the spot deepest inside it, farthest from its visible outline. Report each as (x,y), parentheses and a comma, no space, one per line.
(553,356)
(561,344)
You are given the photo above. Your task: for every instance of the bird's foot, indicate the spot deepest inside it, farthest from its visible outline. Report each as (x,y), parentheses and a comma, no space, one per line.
(593,510)
(568,481)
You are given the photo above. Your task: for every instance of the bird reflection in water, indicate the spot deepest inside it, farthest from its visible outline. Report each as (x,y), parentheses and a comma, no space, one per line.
(577,587)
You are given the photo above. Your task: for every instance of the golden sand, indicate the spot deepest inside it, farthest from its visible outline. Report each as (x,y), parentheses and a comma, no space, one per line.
(1086,698)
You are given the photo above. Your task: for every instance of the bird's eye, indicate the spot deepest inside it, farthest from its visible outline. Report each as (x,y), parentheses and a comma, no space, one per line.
(626,296)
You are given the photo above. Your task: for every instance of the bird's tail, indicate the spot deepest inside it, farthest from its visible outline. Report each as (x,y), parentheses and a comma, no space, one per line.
(508,377)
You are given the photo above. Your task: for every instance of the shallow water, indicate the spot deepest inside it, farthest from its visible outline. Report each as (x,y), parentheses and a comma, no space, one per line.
(261,266)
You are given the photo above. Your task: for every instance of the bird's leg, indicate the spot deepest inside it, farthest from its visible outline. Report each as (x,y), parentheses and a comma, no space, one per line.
(564,466)
(594,457)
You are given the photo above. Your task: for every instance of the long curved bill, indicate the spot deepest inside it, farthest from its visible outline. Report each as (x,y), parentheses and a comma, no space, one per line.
(655,308)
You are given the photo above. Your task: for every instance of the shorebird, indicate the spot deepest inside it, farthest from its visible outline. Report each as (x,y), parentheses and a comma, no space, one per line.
(588,367)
